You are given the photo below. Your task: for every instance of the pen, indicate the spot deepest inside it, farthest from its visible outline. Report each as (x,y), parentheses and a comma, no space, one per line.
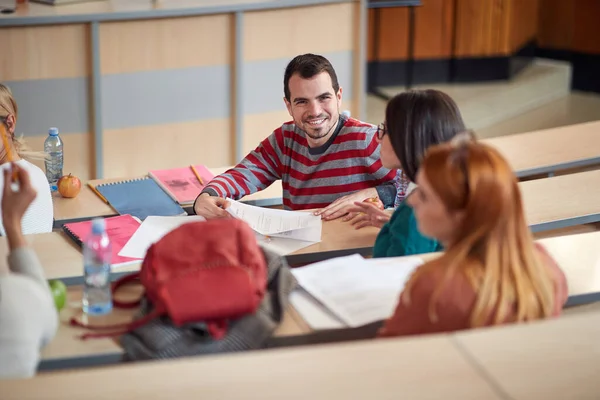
(8,151)
(197,175)
(97,192)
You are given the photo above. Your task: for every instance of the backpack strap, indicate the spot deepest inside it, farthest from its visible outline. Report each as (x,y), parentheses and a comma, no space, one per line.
(124,328)
(124,280)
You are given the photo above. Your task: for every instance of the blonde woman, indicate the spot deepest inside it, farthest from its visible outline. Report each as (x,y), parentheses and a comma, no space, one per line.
(39,216)
(491,272)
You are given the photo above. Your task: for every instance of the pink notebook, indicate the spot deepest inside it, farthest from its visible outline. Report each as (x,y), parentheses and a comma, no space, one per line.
(119,229)
(181,183)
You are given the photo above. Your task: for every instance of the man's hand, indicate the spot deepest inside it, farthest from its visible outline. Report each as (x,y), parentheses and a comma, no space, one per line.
(15,203)
(211,207)
(367,214)
(342,206)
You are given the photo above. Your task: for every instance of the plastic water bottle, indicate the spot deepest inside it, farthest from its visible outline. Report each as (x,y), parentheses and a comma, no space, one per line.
(53,147)
(97,253)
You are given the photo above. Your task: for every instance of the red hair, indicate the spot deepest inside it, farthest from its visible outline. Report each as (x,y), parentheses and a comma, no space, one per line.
(493,246)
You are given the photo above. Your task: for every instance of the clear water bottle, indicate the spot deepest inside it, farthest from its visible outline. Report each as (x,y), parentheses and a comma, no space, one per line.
(53,147)
(97,253)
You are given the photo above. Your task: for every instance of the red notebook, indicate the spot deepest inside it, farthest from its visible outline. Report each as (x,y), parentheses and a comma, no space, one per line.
(119,229)
(181,183)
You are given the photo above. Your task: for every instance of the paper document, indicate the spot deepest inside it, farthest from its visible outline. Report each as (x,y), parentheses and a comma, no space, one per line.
(355,290)
(280,245)
(278,223)
(151,231)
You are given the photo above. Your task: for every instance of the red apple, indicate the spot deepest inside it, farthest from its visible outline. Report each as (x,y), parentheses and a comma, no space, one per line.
(376,201)
(69,186)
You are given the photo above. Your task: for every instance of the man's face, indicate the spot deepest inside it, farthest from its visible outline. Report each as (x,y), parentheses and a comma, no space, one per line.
(314,106)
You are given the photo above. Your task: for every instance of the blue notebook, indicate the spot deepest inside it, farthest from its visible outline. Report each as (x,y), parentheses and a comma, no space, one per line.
(140,198)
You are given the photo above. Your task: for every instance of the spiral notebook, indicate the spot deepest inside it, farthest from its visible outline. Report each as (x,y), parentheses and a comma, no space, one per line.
(139,197)
(119,229)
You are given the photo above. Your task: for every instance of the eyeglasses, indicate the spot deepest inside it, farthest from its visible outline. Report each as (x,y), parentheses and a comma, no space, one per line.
(381,130)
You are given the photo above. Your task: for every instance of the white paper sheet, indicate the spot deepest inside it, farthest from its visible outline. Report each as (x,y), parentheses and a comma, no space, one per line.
(278,223)
(281,246)
(355,290)
(152,230)
(314,314)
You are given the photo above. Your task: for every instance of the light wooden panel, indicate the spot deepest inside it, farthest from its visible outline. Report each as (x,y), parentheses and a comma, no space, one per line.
(165,43)
(256,127)
(586,32)
(288,32)
(135,151)
(78,153)
(44,52)
(555,29)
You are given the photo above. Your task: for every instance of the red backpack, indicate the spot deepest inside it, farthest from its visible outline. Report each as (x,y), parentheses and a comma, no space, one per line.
(209,271)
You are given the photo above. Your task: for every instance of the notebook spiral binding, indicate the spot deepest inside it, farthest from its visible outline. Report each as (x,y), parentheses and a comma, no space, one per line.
(123,181)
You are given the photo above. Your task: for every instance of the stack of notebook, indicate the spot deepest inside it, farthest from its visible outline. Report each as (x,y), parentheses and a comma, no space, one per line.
(138,197)
(182,184)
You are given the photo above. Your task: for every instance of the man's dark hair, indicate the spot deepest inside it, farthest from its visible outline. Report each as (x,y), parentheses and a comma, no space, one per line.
(417,120)
(307,66)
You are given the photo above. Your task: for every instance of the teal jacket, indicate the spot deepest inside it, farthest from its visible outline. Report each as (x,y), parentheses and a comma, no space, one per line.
(400,236)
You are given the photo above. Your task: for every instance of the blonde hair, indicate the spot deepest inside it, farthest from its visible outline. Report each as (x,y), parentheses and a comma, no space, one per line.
(8,106)
(493,248)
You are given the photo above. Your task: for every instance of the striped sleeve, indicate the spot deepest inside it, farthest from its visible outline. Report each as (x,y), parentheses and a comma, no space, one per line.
(255,172)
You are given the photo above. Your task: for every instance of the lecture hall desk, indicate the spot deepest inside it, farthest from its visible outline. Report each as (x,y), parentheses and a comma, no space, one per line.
(539,152)
(578,256)
(88,205)
(554,359)
(550,150)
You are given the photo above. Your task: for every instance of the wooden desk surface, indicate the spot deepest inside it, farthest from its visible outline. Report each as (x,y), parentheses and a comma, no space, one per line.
(562,201)
(386,368)
(550,150)
(66,350)
(578,256)
(557,359)
(553,359)
(62,258)
(88,205)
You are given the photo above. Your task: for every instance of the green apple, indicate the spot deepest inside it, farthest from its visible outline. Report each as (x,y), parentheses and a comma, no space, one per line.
(59,293)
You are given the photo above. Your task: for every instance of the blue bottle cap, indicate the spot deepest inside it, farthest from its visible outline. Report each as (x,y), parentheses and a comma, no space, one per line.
(53,132)
(98,226)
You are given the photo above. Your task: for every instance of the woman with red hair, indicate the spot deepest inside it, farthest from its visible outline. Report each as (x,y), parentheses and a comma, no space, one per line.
(491,272)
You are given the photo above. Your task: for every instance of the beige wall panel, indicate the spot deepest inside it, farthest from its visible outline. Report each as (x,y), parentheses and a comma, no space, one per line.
(135,151)
(256,127)
(78,153)
(165,43)
(44,52)
(289,32)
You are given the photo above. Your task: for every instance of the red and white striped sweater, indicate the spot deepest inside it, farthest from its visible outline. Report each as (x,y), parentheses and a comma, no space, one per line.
(311,177)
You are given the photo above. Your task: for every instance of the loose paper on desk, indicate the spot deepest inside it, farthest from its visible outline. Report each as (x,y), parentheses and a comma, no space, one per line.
(278,223)
(353,290)
(151,231)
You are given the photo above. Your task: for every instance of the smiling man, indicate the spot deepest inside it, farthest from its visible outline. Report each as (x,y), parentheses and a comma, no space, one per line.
(325,160)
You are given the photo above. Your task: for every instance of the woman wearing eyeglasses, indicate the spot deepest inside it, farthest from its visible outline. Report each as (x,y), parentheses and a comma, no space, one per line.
(491,272)
(414,121)
(40,215)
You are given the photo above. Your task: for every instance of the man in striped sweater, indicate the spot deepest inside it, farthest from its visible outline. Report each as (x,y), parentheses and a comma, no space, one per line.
(326,161)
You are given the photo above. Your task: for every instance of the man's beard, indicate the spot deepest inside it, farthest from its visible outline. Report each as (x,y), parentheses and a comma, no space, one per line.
(320,133)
